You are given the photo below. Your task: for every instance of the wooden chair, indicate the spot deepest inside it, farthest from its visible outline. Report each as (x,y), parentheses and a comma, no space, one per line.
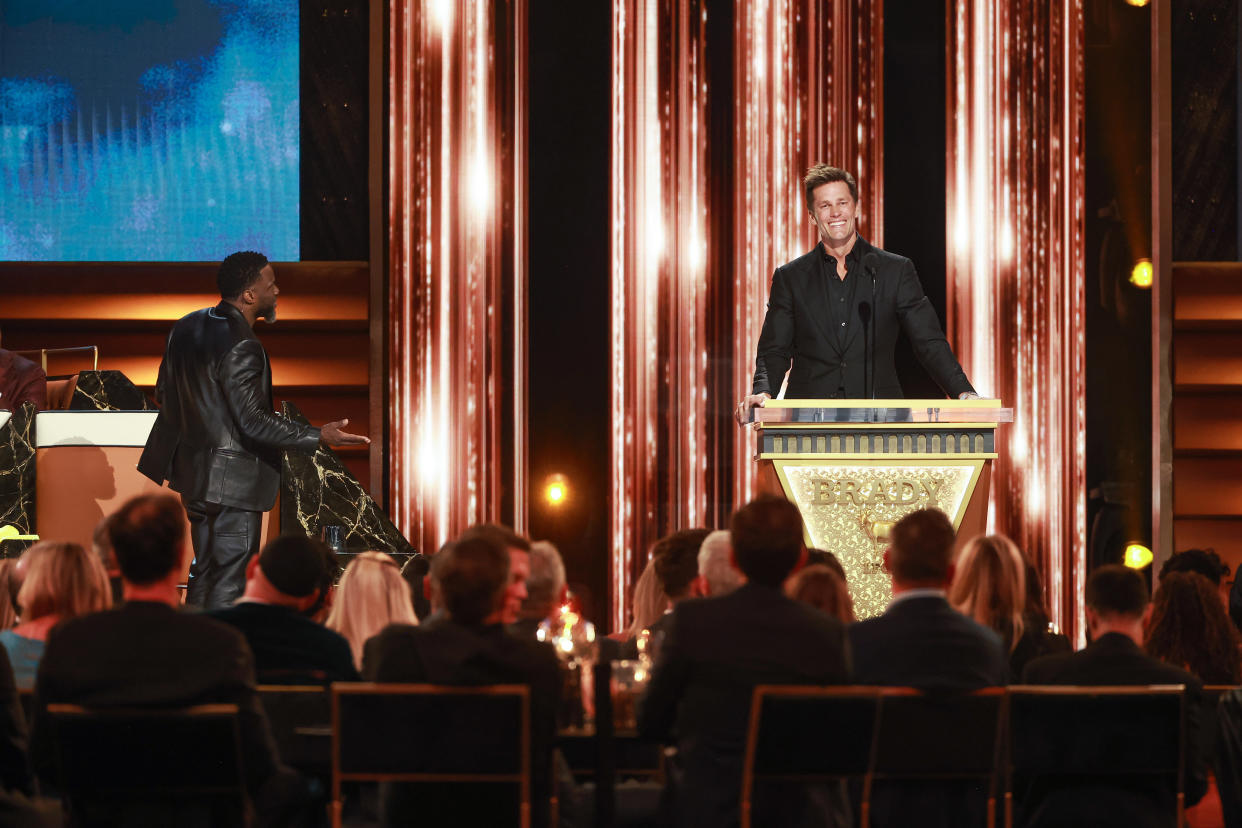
(417,733)
(125,766)
(807,734)
(300,716)
(939,738)
(1112,735)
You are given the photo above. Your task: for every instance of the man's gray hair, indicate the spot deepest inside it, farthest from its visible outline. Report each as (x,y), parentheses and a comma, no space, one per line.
(547,577)
(715,564)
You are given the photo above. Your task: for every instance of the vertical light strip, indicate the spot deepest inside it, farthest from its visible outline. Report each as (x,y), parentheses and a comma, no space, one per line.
(1016,275)
(457,144)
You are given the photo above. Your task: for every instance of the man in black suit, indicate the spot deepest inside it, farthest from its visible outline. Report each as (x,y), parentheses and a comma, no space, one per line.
(147,653)
(1117,611)
(470,645)
(835,313)
(283,583)
(216,440)
(921,641)
(21,381)
(717,650)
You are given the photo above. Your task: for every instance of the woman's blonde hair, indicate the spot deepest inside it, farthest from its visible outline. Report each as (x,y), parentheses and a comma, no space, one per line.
(371,595)
(64,580)
(650,602)
(989,585)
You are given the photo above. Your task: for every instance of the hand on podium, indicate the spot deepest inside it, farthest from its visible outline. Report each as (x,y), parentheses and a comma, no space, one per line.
(331,435)
(968,395)
(743,408)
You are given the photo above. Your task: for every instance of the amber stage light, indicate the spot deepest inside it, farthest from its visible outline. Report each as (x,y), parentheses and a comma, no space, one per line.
(1016,291)
(1141,274)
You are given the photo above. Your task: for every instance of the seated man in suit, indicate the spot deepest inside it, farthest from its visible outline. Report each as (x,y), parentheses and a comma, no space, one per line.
(148,653)
(717,650)
(1117,611)
(546,590)
(921,641)
(675,563)
(283,583)
(470,645)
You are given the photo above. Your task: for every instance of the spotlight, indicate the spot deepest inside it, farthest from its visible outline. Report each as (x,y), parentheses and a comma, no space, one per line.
(556,489)
(1139,3)
(1141,275)
(1137,556)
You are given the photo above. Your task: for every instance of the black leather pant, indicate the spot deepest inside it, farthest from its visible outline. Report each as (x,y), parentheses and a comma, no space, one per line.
(224,539)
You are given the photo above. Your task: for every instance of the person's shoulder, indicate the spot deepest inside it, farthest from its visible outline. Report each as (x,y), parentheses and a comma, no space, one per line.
(1049,669)
(885,258)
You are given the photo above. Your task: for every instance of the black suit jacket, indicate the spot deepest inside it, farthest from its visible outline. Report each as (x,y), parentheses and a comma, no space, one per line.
(797,329)
(923,642)
(1114,659)
(288,647)
(216,438)
(15,772)
(149,655)
(441,651)
(715,651)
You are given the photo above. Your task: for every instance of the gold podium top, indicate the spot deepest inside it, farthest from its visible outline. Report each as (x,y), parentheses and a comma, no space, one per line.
(792,412)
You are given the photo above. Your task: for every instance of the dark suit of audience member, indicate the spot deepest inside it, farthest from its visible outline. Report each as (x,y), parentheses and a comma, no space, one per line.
(716,651)
(921,641)
(150,654)
(289,648)
(15,774)
(1227,756)
(1036,641)
(469,646)
(1117,605)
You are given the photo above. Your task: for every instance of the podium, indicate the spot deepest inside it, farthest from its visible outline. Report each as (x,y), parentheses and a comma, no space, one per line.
(856,467)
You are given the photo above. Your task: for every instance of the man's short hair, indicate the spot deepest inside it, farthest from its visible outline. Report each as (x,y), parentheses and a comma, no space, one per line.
(676,559)
(1203,561)
(921,547)
(147,535)
(238,272)
(822,174)
(546,579)
(1114,589)
(716,564)
(498,533)
(767,539)
(295,565)
(472,576)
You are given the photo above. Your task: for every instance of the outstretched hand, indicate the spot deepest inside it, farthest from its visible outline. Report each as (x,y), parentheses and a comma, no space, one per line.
(332,435)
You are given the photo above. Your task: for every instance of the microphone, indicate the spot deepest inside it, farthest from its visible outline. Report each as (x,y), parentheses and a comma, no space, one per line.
(869,263)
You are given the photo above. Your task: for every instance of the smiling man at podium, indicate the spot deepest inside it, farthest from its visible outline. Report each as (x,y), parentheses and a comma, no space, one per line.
(834,313)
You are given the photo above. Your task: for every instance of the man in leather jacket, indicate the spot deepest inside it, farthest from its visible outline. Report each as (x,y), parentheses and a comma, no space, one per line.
(216,440)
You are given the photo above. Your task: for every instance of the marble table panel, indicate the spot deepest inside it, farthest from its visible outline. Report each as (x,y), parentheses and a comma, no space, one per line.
(17,474)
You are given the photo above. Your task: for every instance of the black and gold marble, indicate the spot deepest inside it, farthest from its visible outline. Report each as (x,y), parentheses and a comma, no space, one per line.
(17,476)
(108,391)
(317,490)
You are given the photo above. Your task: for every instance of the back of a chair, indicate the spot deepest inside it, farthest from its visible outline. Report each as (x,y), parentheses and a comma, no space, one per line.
(432,733)
(808,733)
(137,756)
(939,735)
(301,720)
(1074,734)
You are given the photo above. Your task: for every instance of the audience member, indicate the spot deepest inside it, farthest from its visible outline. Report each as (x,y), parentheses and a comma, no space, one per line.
(283,583)
(717,574)
(717,650)
(821,587)
(372,594)
(989,585)
(147,653)
(821,556)
(1203,561)
(1117,610)
(649,602)
(63,581)
(546,590)
(1190,629)
(675,564)
(1039,636)
(415,572)
(17,808)
(518,550)
(102,547)
(470,645)
(8,593)
(920,640)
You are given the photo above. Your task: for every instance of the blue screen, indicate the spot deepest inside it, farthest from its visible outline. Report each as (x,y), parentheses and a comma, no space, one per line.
(148,130)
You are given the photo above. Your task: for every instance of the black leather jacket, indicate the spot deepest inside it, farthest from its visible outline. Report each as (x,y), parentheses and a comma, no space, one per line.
(216,438)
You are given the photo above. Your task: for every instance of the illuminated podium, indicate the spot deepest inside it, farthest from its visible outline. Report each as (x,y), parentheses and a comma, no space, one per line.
(856,467)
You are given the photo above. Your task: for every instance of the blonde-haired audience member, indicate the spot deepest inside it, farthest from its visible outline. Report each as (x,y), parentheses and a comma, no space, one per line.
(62,581)
(650,602)
(371,595)
(989,585)
(820,586)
